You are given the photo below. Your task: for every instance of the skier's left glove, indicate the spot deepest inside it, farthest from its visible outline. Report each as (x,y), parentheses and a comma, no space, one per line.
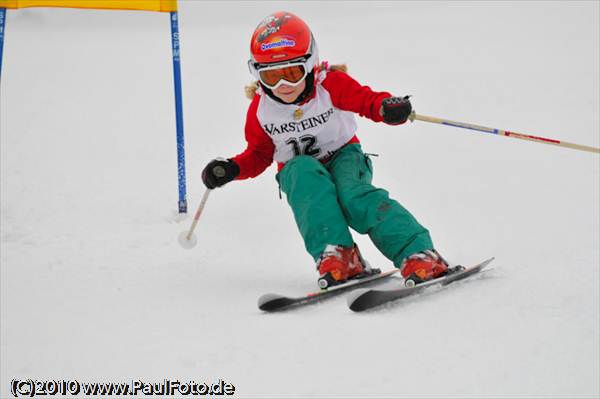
(219,172)
(395,110)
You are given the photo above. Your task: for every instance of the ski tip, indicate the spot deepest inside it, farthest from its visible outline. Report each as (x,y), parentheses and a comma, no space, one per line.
(271,302)
(353,296)
(266,298)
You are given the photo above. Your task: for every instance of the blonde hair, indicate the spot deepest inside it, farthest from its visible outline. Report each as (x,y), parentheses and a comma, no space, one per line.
(250,89)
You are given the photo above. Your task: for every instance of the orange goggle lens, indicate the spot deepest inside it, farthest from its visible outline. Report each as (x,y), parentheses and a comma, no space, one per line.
(292,74)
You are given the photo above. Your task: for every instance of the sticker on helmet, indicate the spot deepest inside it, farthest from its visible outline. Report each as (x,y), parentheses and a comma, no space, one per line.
(271,24)
(279,43)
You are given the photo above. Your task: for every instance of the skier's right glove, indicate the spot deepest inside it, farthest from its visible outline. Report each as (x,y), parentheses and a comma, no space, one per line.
(219,172)
(395,110)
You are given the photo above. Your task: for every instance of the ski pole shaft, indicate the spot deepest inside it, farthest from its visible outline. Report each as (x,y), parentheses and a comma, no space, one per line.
(218,171)
(198,213)
(501,132)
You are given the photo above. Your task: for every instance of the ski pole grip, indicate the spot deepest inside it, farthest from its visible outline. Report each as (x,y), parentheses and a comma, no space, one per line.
(219,171)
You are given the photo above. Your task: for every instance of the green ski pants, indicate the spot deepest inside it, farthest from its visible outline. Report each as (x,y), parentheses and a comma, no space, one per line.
(328,199)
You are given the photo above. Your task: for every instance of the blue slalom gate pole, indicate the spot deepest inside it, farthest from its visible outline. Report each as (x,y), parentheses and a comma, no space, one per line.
(2,22)
(178,112)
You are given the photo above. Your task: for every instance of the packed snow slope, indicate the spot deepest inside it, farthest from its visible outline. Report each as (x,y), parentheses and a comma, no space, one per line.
(95,287)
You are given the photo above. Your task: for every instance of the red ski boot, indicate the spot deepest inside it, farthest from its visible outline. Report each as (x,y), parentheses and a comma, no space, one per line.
(423,266)
(338,264)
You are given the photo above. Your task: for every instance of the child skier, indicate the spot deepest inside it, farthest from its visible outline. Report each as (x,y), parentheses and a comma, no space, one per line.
(301,116)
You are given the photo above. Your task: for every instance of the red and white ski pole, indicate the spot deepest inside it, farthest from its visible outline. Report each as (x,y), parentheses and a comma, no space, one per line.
(501,132)
(187,239)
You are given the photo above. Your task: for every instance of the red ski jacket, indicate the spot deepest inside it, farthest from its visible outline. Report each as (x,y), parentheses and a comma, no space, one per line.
(326,118)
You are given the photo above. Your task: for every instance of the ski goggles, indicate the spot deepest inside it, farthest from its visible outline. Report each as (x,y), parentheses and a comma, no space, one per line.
(274,76)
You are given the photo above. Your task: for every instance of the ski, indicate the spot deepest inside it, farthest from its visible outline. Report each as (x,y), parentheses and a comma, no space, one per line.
(365,299)
(275,302)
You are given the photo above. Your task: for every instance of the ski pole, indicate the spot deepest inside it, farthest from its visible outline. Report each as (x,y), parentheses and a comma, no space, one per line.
(187,239)
(413,116)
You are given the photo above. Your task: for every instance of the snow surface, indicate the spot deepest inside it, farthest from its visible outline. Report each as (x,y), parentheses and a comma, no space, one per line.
(96,287)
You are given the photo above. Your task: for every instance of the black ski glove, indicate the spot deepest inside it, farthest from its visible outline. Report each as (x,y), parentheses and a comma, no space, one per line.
(396,110)
(219,172)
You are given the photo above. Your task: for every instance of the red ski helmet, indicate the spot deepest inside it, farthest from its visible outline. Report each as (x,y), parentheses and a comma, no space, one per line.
(280,38)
